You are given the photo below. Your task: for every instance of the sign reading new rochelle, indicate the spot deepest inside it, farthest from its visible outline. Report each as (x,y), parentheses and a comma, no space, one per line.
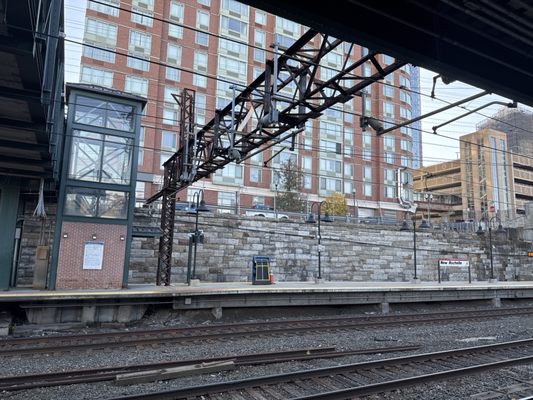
(454,263)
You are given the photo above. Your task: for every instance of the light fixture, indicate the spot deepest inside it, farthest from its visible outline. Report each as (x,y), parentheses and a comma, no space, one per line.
(65,235)
(310,219)
(94,236)
(405,226)
(122,238)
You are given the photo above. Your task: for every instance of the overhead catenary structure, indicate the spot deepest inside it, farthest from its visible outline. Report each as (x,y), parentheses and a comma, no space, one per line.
(230,135)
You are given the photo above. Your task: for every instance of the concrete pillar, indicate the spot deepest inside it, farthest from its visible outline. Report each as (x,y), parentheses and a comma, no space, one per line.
(385,308)
(497,302)
(9,200)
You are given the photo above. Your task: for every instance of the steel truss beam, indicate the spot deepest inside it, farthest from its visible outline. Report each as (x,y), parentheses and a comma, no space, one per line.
(271,106)
(301,95)
(171,179)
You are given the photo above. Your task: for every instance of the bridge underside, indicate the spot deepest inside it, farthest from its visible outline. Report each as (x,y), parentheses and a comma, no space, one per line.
(485,43)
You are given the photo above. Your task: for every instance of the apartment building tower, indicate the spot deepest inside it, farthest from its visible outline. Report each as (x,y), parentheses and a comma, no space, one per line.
(156,48)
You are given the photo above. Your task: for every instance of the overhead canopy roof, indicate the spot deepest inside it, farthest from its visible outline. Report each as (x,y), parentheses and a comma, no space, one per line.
(486,43)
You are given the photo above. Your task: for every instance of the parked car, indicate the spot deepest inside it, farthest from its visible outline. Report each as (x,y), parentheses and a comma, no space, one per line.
(262,207)
(184,207)
(266,214)
(369,220)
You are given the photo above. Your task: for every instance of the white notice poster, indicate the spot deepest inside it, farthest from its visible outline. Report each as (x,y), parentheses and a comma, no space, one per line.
(93,255)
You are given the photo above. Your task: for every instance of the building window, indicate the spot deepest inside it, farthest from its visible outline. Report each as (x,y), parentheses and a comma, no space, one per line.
(168,146)
(141,16)
(226,199)
(327,165)
(139,190)
(260,17)
(330,147)
(200,61)
(97,31)
(387,59)
(231,170)
(366,69)
(170,116)
(367,146)
(100,158)
(330,184)
(388,142)
(405,97)
(307,182)
(255,174)
(367,180)
(140,158)
(143,4)
(388,109)
(176,17)
(348,170)
(307,163)
(136,85)
(96,112)
(99,54)
(287,26)
(111,9)
(89,202)
(96,76)
(140,42)
(405,113)
(331,129)
(406,145)
(388,91)
(405,161)
(172,74)
(389,157)
(236,8)
(232,67)
(404,82)
(389,183)
(137,63)
(173,54)
(234,26)
(199,80)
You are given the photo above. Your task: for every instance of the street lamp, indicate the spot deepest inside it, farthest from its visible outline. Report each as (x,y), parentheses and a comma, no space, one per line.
(428,197)
(480,232)
(311,220)
(355,207)
(197,236)
(405,227)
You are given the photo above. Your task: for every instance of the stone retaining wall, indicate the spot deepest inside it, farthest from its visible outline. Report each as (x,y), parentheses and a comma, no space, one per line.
(351,252)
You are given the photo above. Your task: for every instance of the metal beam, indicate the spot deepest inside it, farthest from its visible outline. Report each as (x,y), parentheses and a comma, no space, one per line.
(172,174)
(301,95)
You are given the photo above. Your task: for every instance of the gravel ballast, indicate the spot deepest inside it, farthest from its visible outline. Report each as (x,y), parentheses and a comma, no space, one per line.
(431,337)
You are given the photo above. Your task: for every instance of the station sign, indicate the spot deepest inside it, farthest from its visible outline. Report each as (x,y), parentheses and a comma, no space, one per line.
(454,263)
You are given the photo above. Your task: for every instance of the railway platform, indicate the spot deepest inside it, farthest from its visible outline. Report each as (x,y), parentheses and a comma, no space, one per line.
(130,304)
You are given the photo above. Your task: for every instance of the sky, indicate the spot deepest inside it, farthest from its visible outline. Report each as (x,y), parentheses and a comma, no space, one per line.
(435,148)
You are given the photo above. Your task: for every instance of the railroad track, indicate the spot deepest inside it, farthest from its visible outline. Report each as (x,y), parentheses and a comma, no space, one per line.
(31,381)
(201,334)
(352,380)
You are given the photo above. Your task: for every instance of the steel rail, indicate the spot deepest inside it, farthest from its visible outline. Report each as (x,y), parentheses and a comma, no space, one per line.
(240,325)
(230,332)
(384,385)
(31,381)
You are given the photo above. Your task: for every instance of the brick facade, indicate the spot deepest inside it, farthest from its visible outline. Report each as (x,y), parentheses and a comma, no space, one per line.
(70,272)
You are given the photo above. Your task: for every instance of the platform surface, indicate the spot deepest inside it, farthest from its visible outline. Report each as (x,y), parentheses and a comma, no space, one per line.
(246,288)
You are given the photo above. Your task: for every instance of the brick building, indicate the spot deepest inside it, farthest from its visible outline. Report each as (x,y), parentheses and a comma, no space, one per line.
(155,48)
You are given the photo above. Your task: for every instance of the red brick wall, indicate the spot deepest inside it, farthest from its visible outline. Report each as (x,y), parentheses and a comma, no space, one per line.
(70,272)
